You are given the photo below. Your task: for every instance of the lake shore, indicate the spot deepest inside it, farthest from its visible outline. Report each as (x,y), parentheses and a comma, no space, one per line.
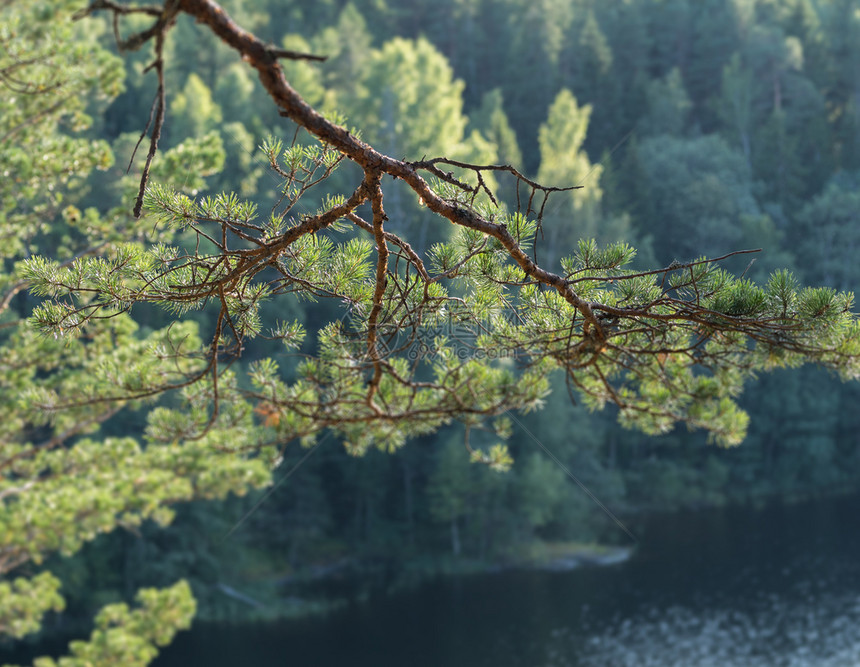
(326,587)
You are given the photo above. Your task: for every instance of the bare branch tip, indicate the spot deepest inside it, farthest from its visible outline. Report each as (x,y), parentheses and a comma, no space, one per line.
(296,55)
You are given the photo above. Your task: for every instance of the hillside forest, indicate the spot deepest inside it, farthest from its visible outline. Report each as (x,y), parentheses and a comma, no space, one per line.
(695,127)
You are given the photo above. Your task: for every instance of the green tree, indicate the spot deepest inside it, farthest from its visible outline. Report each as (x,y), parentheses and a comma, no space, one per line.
(587,68)
(411,106)
(714,37)
(492,122)
(60,488)
(826,233)
(449,489)
(541,485)
(735,105)
(523,59)
(194,110)
(627,28)
(672,33)
(348,57)
(575,214)
(466,331)
(410,115)
(698,189)
(841,27)
(233,94)
(668,107)
(791,114)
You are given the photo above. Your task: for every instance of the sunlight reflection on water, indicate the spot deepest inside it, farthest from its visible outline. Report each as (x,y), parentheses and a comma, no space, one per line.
(821,633)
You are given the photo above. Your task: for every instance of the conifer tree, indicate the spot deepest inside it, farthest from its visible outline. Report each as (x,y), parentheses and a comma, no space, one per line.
(465,331)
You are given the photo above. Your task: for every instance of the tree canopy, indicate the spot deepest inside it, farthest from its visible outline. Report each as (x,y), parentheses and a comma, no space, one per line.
(451,289)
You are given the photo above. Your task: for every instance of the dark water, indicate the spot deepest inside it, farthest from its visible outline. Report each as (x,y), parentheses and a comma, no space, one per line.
(779,586)
(775,587)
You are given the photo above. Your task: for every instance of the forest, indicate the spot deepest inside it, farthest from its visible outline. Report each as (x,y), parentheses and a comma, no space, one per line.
(694,128)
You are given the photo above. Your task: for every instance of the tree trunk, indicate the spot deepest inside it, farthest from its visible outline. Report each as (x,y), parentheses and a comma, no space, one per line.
(408,501)
(455,537)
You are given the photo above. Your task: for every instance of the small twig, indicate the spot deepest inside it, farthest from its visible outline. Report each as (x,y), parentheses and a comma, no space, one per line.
(296,55)
(152,108)
(427,164)
(160,107)
(668,269)
(116,8)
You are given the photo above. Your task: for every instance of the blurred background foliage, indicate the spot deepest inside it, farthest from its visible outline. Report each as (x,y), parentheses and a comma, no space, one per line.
(696,126)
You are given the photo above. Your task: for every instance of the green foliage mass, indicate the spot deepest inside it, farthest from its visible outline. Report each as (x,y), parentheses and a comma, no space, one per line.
(696,128)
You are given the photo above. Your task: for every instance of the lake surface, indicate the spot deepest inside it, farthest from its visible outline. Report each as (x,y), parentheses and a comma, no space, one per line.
(779,586)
